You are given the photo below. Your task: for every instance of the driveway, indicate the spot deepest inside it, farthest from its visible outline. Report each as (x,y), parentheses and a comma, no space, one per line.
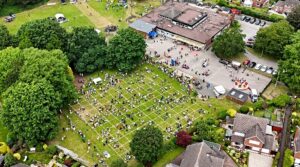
(259,160)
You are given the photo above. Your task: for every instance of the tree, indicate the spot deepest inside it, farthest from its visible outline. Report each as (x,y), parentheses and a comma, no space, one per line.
(147,144)
(230,43)
(203,130)
(52,66)
(183,139)
(244,109)
(118,163)
(86,49)
(288,159)
(9,160)
(281,100)
(29,111)
(11,62)
(42,34)
(289,67)
(5,39)
(272,39)
(126,50)
(294,17)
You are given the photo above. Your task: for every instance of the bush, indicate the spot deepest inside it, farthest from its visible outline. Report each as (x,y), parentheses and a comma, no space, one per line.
(9,160)
(39,147)
(51,150)
(244,109)
(222,114)
(68,162)
(3,148)
(169,146)
(76,164)
(258,105)
(281,101)
(183,139)
(10,139)
(231,112)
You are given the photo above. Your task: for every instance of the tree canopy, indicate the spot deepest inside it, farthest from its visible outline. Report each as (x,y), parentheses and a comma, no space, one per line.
(289,67)
(206,130)
(29,111)
(272,39)
(86,50)
(52,66)
(147,144)
(5,39)
(11,62)
(230,43)
(294,17)
(126,50)
(42,34)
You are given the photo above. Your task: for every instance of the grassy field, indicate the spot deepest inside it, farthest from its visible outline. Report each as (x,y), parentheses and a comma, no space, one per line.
(167,158)
(75,17)
(139,98)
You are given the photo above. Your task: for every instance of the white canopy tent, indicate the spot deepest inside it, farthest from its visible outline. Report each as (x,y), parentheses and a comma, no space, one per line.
(97,80)
(220,89)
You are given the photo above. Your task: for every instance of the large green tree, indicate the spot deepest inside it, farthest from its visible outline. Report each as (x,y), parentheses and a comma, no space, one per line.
(272,39)
(86,49)
(230,43)
(289,67)
(52,66)
(29,111)
(206,130)
(42,34)
(11,62)
(126,50)
(5,38)
(294,17)
(147,144)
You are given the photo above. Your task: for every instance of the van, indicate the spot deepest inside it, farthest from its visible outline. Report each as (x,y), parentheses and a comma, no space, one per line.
(254,95)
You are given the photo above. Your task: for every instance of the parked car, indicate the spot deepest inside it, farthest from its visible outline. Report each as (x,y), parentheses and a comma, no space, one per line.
(205,63)
(247,19)
(274,72)
(269,70)
(263,23)
(252,64)
(246,62)
(257,67)
(252,20)
(225,62)
(257,22)
(244,18)
(263,68)
(250,45)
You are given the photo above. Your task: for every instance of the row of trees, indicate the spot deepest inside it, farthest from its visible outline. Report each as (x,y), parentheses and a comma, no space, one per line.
(34,85)
(86,50)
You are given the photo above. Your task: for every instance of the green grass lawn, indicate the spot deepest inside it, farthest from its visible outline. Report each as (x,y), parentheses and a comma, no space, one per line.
(3,132)
(141,92)
(113,14)
(168,157)
(75,17)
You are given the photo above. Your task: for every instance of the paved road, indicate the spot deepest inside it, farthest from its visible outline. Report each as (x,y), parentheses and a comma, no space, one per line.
(262,61)
(285,134)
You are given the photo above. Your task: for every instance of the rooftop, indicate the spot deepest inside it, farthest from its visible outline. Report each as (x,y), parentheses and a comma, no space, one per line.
(192,22)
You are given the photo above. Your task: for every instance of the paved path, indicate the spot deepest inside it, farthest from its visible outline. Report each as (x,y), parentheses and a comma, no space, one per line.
(285,134)
(98,20)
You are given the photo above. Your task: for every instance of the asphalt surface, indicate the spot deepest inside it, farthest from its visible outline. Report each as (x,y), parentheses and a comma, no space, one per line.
(285,135)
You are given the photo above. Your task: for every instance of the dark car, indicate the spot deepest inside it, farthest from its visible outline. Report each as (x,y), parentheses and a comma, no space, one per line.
(252,64)
(252,20)
(257,22)
(225,62)
(244,18)
(247,19)
(250,45)
(263,23)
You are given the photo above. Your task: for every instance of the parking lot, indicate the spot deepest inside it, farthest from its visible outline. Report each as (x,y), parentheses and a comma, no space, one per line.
(216,73)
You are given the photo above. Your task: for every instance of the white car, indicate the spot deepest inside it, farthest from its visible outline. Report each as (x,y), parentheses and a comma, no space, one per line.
(263,68)
(257,67)
(269,70)
(274,72)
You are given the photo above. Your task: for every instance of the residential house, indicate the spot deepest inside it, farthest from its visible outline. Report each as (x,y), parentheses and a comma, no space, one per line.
(285,7)
(204,154)
(253,133)
(297,147)
(255,3)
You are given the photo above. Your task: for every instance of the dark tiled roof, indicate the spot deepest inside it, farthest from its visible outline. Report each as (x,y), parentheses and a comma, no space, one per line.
(142,26)
(238,95)
(288,3)
(256,130)
(237,139)
(242,123)
(204,154)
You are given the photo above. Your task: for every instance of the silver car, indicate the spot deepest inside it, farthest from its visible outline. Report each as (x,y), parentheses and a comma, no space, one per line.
(257,67)
(263,68)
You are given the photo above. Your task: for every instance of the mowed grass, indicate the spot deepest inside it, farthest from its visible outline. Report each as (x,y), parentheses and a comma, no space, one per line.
(141,92)
(74,16)
(113,14)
